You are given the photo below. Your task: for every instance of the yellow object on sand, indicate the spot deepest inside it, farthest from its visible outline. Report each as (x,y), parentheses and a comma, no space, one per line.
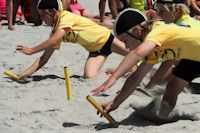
(68,84)
(12,75)
(106,115)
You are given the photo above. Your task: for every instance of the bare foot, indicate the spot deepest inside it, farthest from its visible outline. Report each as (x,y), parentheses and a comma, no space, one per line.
(11,27)
(0,22)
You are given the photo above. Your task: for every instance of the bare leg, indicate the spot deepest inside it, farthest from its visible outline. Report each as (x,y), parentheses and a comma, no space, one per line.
(113,8)
(34,12)
(174,87)
(131,83)
(0,22)
(9,10)
(162,74)
(88,14)
(0,25)
(119,47)
(93,65)
(76,12)
(15,9)
(102,6)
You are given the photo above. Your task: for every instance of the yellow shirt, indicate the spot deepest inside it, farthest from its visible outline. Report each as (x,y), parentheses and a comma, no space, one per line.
(187,20)
(82,31)
(173,42)
(137,4)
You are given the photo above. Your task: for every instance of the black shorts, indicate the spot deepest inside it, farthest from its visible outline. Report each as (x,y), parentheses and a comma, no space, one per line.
(187,70)
(106,49)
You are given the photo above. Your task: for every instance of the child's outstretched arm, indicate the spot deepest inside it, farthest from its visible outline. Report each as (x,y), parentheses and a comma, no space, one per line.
(51,42)
(47,46)
(37,64)
(127,63)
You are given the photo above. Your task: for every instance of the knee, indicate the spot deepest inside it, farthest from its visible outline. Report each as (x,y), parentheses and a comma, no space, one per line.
(89,75)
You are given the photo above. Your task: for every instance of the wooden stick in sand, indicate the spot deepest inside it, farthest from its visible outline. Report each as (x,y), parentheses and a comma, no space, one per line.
(68,84)
(98,107)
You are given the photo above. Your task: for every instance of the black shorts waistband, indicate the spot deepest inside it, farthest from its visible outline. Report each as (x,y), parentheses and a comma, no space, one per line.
(106,49)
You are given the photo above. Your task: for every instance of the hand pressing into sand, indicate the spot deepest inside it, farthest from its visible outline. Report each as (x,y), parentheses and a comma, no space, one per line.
(17,77)
(108,107)
(106,85)
(24,49)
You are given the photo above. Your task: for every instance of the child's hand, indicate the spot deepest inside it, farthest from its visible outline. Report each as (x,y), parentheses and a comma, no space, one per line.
(108,107)
(24,49)
(104,87)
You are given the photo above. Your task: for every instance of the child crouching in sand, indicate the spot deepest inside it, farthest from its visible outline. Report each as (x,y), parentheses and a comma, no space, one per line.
(69,27)
(167,41)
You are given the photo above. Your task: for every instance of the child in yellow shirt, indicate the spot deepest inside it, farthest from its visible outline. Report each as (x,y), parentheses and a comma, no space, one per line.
(159,42)
(68,27)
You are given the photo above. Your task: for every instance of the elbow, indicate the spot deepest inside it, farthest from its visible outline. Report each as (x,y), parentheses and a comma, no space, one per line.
(53,42)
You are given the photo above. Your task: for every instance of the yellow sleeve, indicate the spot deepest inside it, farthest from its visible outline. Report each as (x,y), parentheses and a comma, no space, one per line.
(159,34)
(57,46)
(66,20)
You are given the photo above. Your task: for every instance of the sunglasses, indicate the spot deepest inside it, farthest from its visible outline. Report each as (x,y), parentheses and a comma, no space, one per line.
(131,35)
(138,38)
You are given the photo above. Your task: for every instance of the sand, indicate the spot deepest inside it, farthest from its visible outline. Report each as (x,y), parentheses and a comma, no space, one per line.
(39,104)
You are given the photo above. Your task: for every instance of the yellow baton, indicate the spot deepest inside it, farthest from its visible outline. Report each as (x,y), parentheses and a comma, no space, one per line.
(106,115)
(68,84)
(12,75)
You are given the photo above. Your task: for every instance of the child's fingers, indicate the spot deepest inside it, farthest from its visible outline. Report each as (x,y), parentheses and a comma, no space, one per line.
(99,113)
(12,75)
(107,109)
(19,47)
(21,51)
(97,91)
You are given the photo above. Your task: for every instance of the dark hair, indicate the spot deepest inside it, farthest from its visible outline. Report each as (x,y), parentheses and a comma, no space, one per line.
(49,4)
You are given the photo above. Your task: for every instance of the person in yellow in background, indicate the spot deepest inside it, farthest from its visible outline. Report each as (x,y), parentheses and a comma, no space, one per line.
(68,27)
(167,41)
(145,6)
(175,11)
(137,4)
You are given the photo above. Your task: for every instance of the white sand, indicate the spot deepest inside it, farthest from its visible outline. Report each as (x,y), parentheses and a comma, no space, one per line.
(40,104)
